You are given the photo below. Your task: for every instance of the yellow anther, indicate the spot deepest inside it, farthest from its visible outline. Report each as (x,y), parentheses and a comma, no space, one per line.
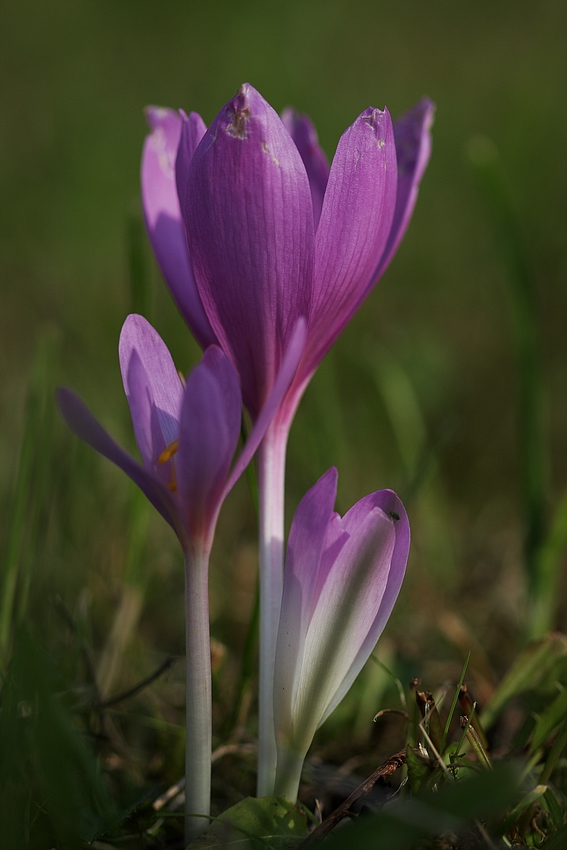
(169,451)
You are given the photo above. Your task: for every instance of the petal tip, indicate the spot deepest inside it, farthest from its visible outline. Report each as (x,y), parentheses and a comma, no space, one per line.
(157,115)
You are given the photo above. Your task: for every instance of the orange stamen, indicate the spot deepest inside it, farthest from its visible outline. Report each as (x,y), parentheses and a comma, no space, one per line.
(166,455)
(169,451)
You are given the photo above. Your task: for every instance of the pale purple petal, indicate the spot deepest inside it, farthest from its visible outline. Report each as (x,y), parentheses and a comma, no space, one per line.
(163,218)
(193,128)
(154,392)
(305,547)
(345,612)
(249,222)
(355,223)
(209,432)
(391,505)
(83,424)
(413,149)
(303,133)
(281,385)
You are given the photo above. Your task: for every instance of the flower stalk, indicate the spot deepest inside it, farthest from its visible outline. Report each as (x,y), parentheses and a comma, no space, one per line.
(198,690)
(271,479)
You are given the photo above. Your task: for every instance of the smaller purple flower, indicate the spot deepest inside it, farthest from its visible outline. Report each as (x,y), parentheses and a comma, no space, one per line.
(186,432)
(342,578)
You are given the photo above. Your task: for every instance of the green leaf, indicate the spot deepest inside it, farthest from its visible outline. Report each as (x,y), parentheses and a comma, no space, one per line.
(549,720)
(559,840)
(419,767)
(256,823)
(554,808)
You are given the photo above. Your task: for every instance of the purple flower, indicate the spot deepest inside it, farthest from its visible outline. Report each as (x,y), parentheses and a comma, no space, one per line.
(187,435)
(186,432)
(256,231)
(342,578)
(272,234)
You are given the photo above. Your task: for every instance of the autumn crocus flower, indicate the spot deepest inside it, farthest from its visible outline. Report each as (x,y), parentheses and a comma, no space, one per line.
(342,577)
(186,435)
(252,230)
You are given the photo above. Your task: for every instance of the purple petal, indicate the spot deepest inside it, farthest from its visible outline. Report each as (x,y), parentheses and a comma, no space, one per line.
(303,133)
(413,148)
(209,432)
(193,128)
(154,392)
(391,505)
(249,222)
(163,217)
(83,424)
(274,401)
(346,611)
(354,227)
(305,546)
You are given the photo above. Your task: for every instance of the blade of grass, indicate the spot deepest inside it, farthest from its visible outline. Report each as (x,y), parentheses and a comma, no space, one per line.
(549,565)
(31,491)
(534,665)
(454,704)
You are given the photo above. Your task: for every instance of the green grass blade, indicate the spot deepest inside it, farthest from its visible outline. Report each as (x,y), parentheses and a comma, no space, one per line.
(30,498)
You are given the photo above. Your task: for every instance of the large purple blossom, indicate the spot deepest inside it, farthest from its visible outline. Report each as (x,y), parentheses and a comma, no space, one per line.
(252,229)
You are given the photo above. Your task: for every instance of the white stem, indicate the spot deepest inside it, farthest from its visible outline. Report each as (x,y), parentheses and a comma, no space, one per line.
(271,480)
(198,693)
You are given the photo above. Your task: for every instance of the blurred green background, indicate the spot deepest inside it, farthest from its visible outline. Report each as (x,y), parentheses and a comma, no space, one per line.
(421,392)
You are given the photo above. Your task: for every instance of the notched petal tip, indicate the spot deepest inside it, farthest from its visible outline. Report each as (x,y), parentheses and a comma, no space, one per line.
(379,121)
(248,104)
(239,113)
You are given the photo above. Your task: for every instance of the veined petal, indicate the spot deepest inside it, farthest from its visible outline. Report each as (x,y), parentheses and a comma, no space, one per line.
(163,216)
(193,128)
(304,134)
(304,551)
(249,222)
(391,505)
(153,389)
(208,435)
(84,425)
(355,223)
(413,149)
